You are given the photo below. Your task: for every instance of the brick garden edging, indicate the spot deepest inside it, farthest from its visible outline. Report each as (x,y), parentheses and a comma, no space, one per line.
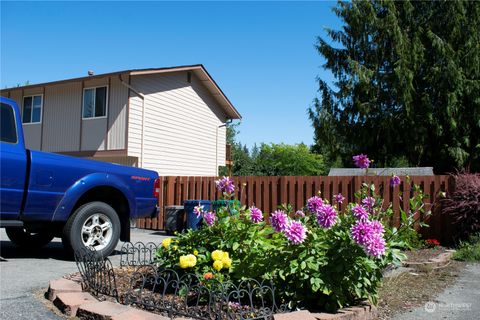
(68,297)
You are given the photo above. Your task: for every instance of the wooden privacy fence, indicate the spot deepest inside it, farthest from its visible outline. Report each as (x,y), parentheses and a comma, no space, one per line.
(268,192)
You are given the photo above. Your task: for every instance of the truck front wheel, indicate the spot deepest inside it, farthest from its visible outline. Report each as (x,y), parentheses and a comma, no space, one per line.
(23,238)
(95,224)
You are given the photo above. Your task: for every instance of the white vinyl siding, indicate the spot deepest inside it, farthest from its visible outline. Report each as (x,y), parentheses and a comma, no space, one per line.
(181,124)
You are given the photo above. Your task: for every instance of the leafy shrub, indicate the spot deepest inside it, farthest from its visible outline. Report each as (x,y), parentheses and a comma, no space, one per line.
(463,205)
(317,257)
(469,250)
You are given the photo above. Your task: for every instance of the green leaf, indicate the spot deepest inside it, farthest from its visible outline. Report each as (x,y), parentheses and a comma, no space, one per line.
(235,246)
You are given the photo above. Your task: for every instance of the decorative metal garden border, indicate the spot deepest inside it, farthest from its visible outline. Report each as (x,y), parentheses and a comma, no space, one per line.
(172,293)
(97,273)
(138,254)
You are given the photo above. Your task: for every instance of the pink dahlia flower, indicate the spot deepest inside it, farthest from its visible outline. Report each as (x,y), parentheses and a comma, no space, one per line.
(314,203)
(295,232)
(326,216)
(359,212)
(395,181)
(279,220)
(209,218)
(256,215)
(339,198)
(225,184)
(361,161)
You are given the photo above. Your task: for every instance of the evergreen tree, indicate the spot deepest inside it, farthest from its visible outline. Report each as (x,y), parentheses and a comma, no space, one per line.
(407,84)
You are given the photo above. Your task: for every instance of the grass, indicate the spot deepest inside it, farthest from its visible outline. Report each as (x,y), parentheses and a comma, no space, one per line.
(469,251)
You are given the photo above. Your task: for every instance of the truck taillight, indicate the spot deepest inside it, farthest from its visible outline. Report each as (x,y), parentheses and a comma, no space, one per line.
(156,188)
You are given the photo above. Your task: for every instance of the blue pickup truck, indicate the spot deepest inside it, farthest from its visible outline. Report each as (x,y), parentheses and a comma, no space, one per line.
(87,203)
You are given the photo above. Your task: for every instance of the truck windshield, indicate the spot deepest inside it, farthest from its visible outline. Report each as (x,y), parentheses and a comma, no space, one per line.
(7,125)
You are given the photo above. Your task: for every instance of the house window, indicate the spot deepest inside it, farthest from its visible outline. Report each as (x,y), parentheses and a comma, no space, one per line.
(32,109)
(95,102)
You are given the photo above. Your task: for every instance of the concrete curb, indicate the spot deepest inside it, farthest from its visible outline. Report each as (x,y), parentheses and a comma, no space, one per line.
(68,297)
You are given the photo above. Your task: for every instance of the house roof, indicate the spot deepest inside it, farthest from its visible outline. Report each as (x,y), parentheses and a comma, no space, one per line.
(198,69)
(416,171)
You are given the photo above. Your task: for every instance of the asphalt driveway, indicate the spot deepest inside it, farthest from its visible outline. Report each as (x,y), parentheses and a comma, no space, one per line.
(26,274)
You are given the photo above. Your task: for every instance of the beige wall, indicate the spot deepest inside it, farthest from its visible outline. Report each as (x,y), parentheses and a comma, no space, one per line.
(180,126)
(62,128)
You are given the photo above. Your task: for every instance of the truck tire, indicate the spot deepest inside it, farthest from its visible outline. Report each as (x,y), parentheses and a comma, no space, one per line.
(94,224)
(23,238)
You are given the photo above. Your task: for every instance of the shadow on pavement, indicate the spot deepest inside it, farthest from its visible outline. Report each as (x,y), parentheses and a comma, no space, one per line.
(53,250)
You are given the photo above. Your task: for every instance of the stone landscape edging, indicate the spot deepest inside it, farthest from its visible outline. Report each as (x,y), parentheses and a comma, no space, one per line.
(68,297)
(439,261)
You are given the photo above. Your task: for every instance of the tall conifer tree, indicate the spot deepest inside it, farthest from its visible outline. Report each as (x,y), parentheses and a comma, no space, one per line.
(407,84)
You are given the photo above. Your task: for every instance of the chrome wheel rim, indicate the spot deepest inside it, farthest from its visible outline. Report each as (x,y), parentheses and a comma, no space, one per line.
(97,231)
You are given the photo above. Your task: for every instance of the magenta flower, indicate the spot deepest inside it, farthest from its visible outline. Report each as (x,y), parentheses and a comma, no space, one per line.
(395,181)
(299,214)
(225,185)
(369,203)
(377,227)
(362,232)
(256,215)
(375,247)
(314,203)
(359,212)
(209,218)
(198,210)
(279,220)
(326,216)
(361,161)
(295,232)
(339,198)
(369,235)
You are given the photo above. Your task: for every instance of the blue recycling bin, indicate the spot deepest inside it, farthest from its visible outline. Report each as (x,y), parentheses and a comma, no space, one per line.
(194,222)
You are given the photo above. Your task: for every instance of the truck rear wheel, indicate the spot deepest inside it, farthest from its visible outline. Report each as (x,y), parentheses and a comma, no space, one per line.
(23,238)
(96,225)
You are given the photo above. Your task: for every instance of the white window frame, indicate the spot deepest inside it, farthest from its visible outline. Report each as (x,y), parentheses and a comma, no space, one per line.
(31,113)
(94,99)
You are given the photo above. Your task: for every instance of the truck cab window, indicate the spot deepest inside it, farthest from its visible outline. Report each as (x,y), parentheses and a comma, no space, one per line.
(8,128)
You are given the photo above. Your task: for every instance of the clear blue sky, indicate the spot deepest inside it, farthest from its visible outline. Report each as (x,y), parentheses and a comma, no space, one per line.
(261,54)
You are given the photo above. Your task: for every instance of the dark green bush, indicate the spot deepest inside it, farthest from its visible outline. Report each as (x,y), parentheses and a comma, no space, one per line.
(463,205)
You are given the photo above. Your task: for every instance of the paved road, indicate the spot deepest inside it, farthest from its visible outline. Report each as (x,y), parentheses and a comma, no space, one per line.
(25,274)
(461,301)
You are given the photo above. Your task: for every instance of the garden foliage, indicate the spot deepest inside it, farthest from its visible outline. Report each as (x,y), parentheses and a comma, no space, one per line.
(464,204)
(317,256)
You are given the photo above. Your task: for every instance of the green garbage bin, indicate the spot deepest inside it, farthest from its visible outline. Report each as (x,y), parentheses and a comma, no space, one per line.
(230,204)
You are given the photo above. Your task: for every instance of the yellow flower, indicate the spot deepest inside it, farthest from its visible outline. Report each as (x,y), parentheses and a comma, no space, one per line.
(217,255)
(227,262)
(218,265)
(188,261)
(175,248)
(226,255)
(195,252)
(166,242)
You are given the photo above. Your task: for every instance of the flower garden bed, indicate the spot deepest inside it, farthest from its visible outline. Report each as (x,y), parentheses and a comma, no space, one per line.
(251,265)
(137,289)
